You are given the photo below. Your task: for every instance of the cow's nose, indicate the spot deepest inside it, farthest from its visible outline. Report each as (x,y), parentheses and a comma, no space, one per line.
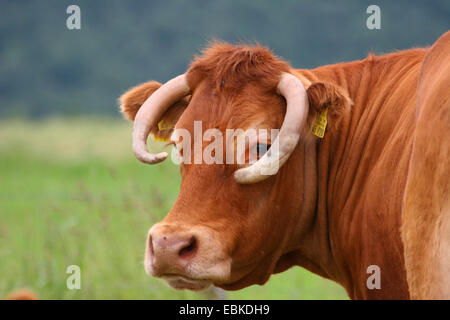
(171,252)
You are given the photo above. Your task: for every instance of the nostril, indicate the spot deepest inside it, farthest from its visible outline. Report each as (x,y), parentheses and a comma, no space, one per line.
(150,246)
(189,250)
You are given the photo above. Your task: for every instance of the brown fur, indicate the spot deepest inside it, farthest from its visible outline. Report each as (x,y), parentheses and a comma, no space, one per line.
(426,219)
(230,67)
(336,206)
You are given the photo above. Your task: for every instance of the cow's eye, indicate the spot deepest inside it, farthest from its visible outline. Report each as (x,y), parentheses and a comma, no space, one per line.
(261,149)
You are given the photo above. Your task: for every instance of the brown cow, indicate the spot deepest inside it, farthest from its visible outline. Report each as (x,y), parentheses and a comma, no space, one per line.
(374,191)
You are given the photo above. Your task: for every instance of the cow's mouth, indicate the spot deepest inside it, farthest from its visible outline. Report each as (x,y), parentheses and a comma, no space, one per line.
(181,282)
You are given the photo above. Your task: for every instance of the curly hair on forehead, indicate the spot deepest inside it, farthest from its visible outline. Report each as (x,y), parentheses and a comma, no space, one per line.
(230,66)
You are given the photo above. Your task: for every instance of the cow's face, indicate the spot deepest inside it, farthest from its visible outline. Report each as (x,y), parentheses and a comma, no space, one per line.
(221,231)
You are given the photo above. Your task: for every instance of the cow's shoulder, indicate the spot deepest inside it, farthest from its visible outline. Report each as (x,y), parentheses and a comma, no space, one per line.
(435,70)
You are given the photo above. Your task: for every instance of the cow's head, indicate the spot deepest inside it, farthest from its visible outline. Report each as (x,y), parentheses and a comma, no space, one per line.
(233,224)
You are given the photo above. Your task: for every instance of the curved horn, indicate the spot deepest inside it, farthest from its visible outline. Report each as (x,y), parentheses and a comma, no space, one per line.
(151,111)
(294,92)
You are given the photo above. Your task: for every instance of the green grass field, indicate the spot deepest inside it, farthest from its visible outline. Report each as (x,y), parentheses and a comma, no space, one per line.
(72,193)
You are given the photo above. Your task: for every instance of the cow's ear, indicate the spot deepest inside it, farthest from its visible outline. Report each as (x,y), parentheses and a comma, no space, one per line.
(324,96)
(132,100)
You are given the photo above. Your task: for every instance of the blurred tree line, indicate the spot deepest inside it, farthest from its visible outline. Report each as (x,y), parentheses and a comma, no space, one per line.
(47,69)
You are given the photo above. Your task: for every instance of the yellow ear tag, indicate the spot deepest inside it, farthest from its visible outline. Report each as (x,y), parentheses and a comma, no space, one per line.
(320,124)
(163,125)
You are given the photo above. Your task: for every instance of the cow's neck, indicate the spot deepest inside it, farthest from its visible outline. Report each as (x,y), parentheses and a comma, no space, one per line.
(316,251)
(332,245)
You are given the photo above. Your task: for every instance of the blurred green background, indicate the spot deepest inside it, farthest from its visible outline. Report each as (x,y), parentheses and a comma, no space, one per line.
(71,191)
